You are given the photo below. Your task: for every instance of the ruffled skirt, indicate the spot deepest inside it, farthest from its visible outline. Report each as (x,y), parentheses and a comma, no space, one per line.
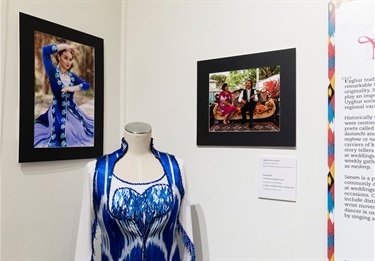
(78,132)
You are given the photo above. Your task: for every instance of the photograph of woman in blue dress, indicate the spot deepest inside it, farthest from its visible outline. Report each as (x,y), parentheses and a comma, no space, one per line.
(63,124)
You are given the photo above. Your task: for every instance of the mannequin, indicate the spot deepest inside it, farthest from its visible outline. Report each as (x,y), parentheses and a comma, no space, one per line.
(136,198)
(139,164)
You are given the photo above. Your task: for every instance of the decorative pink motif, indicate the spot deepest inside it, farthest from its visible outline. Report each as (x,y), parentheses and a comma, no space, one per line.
(365,40)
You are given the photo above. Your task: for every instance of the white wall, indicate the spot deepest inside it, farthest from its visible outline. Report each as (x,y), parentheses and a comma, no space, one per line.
(164,41)
(41,201)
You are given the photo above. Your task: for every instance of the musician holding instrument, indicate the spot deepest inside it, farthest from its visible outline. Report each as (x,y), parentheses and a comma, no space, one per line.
(248,97)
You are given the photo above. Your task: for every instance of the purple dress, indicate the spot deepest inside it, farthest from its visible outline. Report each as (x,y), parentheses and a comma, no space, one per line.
(63,124)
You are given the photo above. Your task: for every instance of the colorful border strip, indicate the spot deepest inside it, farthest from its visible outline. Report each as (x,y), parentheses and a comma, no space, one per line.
(331,134)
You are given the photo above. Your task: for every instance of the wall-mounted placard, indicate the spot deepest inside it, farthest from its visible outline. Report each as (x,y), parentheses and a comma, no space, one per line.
(277,178)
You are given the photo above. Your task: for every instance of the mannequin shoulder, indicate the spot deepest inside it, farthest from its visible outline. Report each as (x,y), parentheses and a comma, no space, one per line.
(90,168)
(180,161)
(181,165)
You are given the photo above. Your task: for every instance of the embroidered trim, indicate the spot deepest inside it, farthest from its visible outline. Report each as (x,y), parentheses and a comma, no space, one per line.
(186,240)
(138,183)
(95,223)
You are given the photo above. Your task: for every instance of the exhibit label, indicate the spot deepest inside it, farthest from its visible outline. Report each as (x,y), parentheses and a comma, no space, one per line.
(277,178)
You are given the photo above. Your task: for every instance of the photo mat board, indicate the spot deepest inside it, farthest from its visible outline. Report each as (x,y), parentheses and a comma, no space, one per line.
(273,75)
(37,100)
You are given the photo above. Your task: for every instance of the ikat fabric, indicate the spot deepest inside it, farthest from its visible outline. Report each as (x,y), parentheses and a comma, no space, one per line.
(137,221)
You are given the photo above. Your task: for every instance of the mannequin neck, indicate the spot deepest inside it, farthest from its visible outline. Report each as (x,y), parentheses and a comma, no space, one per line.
(138,144)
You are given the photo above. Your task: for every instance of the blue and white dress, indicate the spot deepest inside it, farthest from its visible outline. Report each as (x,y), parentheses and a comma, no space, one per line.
(64,124)
(137,221)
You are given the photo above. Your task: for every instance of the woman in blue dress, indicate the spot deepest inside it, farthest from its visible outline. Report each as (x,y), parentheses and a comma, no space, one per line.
(64,124)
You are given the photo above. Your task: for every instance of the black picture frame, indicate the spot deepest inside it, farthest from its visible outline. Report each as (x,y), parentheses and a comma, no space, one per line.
(285,136)
(28,26)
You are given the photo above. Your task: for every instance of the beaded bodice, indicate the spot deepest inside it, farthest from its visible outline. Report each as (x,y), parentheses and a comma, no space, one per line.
(140,221)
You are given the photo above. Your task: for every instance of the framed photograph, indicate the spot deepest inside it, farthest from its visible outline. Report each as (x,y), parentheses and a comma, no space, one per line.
(248,100)
(61,92)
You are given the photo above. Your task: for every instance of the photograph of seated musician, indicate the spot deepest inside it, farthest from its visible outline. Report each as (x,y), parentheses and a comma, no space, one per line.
(248,98)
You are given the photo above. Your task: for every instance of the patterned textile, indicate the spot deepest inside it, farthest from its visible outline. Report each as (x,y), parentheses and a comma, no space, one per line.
(137,221)
(244,127)
(331,133)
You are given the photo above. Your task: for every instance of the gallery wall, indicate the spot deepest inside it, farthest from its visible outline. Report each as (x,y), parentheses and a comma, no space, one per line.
(40,202)
(151,51)
(165,39)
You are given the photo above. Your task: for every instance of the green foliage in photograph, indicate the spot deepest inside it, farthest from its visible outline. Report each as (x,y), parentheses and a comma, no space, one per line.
(219,78)
(236,79)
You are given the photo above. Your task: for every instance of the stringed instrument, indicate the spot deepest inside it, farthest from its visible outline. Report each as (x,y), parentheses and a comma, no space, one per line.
(252,96)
